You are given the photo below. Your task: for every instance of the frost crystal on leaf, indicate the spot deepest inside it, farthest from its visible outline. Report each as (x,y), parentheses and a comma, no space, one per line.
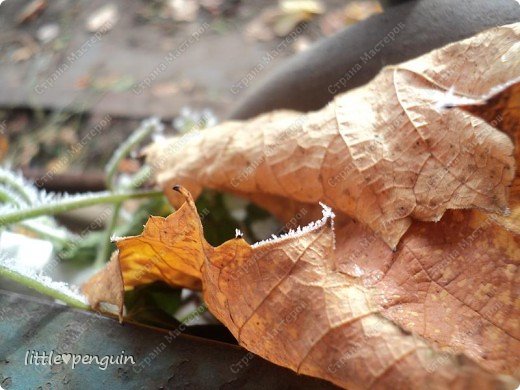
(327,214)
(451,99)
(115,238)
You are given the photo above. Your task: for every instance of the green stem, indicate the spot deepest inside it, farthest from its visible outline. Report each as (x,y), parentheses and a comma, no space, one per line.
(42,288)
(104,248)
(140,177)
(17,187)
(6,196)
(71,204)
(48,233)
(105,244)
(123,151)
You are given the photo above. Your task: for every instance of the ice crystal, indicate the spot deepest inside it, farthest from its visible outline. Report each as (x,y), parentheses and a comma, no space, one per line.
(327,213)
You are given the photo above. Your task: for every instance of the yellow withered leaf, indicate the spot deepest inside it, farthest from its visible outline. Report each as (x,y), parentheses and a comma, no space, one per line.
(148,258)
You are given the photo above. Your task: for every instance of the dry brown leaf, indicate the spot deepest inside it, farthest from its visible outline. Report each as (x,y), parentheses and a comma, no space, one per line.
(357,11)
(385,153)
(4,145)
(280,20)
(442,311)
(31,11)
(503,112)
(452,283)
(106,287)
(353,12)
(360,315)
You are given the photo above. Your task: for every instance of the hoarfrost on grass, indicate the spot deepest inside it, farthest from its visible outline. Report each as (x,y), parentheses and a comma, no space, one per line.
(28,196)
(17,267)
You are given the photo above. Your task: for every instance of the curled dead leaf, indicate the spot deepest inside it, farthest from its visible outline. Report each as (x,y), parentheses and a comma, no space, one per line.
(387,153)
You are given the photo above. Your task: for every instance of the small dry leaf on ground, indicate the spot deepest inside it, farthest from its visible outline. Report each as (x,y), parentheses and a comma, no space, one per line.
(280,20)
(424,137)
(353,12)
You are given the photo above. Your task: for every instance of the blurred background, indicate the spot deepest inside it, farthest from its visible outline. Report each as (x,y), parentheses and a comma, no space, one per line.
(65,65)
